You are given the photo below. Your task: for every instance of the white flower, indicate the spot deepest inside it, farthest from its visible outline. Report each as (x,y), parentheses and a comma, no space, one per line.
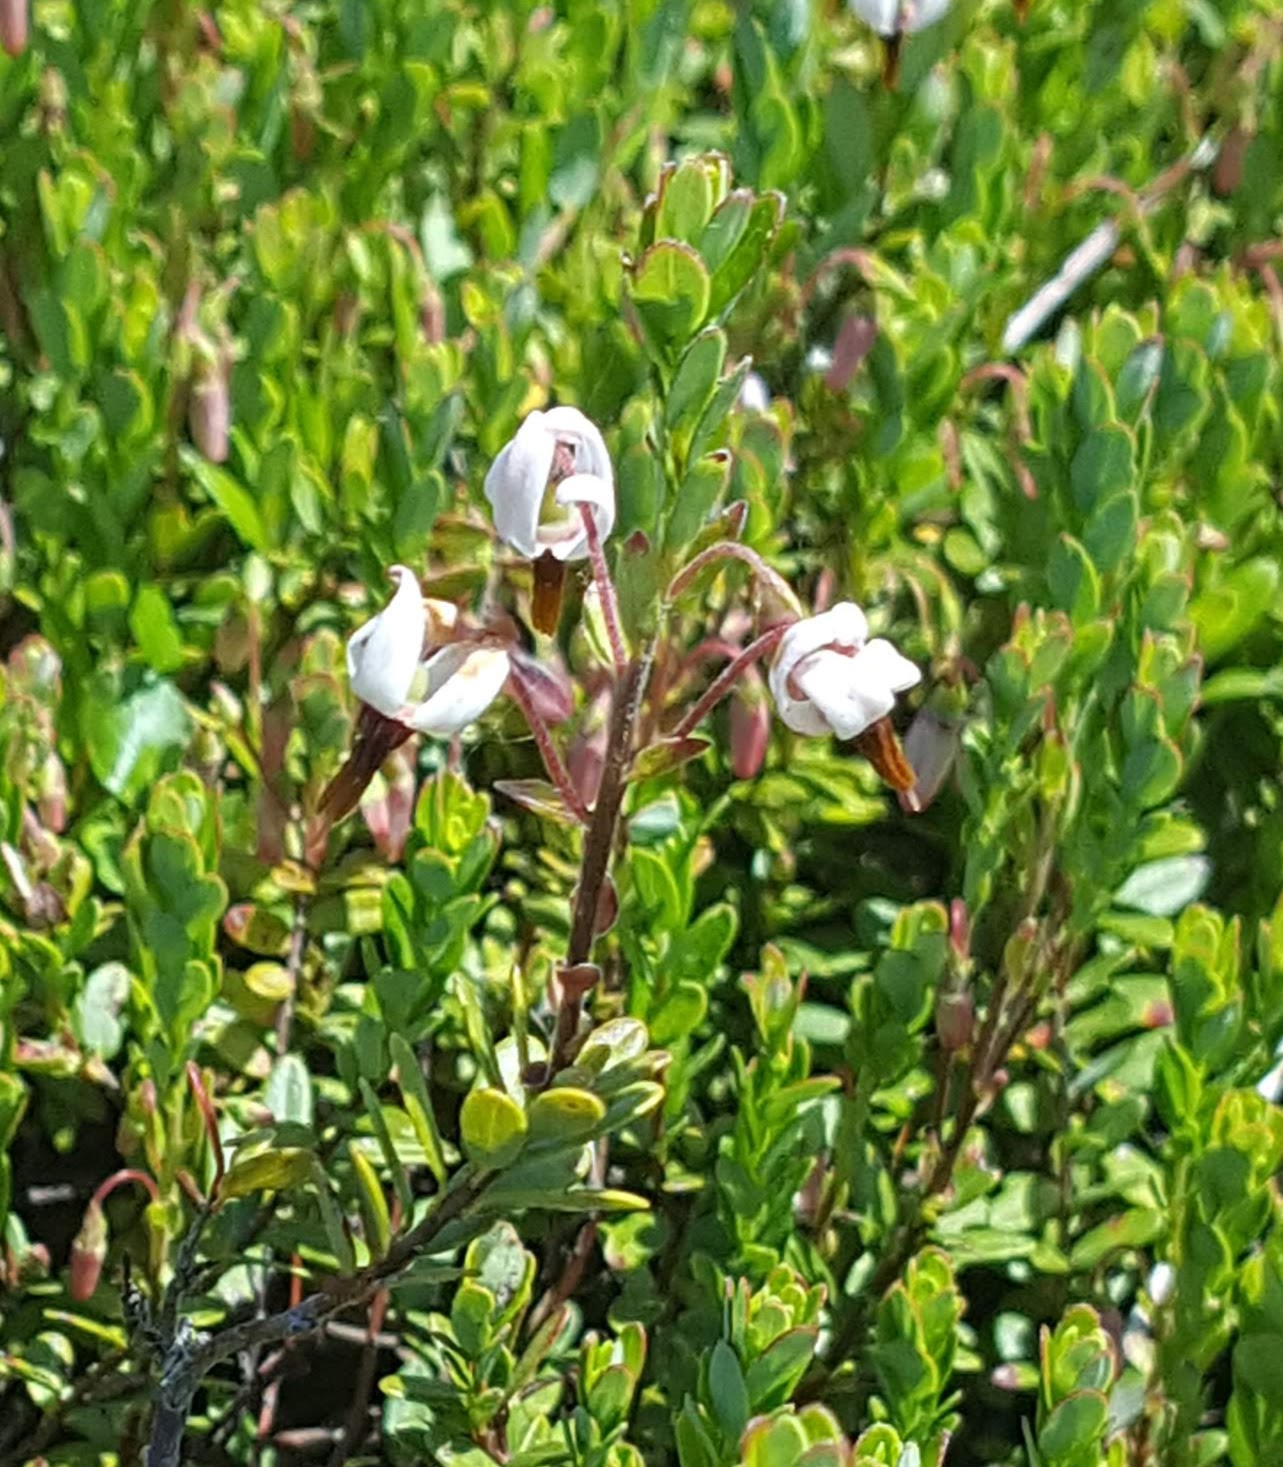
(827,678)
(557,462)
(899,17)
(434,689)
(755,395)
(1162,1283)
(384,655)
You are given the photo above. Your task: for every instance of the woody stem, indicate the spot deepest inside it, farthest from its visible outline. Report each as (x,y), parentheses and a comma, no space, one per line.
(598,845)
(605,589)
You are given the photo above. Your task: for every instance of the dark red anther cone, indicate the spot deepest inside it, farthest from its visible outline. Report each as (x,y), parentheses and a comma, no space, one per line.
(891,48)
(546,593)
(880,745)
(376,738)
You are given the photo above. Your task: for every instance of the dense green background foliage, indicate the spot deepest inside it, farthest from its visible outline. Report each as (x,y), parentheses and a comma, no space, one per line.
(926,1133)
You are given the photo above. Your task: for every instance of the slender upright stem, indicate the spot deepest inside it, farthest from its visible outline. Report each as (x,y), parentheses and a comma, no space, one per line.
(605,589)
(726,680)
(552,760)
(598,844)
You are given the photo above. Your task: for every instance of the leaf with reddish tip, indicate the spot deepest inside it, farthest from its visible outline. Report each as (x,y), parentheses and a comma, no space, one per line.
(547,685)
(257,929)
(665,755)
(539,797)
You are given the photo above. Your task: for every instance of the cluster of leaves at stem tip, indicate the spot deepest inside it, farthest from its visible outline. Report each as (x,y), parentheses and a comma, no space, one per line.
(502,959)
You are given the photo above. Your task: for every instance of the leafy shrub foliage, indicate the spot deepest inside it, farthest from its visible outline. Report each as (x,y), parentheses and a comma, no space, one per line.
(633,1077)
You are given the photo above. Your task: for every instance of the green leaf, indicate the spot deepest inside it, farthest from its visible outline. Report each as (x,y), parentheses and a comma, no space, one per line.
(414,1096)
(237,504)
(155,630)
(727,1392)
(696,376)
(565,1115)
(686,203)
(383,1135)
(1163,888)
(1256,1365)
(747,255)
(493,1127)
(703,485)
(278,1170)
(670,288)
(679,1013)
(130,740)
(1224,615)
(1111,531)
(1076,1426)
(373,1204)
(288,1093)
(1073,581)
(1102,467)
(775,1373)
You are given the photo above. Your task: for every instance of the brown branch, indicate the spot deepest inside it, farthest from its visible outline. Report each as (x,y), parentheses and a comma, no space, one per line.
(190,1357)
(598,844)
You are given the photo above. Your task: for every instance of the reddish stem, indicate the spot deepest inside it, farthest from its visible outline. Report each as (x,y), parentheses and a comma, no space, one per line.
(726,680)
(206,1106)
(733,550)
(548,750)
(118,1179)
(605,589)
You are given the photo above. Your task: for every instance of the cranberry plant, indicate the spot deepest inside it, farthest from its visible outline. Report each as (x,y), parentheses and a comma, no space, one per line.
(639,733)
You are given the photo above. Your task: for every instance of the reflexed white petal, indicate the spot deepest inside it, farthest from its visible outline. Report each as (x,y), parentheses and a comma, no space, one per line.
(569,425)
(755,396)
(827,679)
(382,656)
(462,684)
(882,15)
(565,535)
(516,482)
(879,662)
(843,625)
(849,702)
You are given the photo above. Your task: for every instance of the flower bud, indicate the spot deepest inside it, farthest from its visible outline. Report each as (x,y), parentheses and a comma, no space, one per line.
(960,929)
(750,729)
(955,1020)
(13,26)
(88,1252)
(209,411)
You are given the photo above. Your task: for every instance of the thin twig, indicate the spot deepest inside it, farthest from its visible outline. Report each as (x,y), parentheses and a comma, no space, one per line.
(358,1417)
(191,1357)
(605,590)
(726,680)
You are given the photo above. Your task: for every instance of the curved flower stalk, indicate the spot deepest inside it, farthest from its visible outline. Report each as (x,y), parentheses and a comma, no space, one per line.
(829,678)
(411,676)
(552,490)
